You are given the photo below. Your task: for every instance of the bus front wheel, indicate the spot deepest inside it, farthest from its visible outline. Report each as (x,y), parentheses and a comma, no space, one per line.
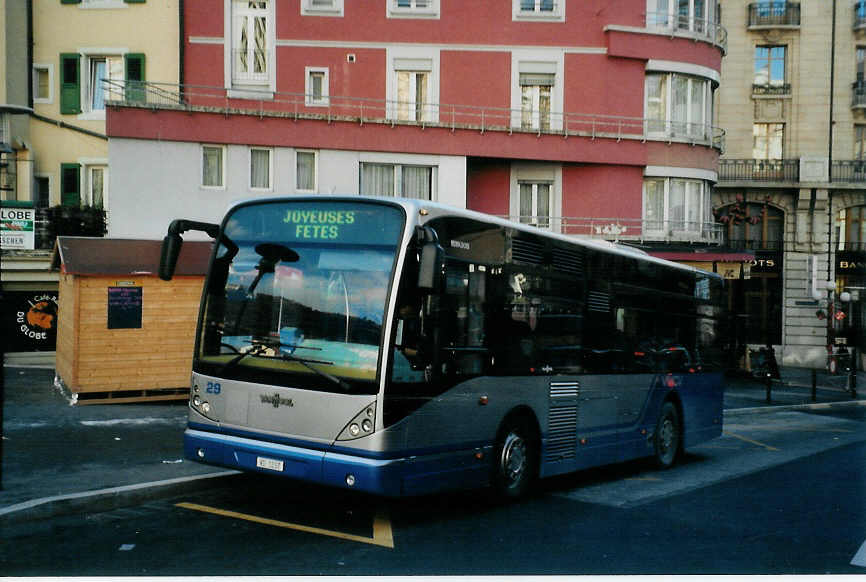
(667,440)
(515,458)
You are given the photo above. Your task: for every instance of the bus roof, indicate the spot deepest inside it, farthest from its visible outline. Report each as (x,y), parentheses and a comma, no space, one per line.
(432,210)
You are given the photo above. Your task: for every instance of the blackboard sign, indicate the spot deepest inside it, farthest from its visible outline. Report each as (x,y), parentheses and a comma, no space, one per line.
(124,307)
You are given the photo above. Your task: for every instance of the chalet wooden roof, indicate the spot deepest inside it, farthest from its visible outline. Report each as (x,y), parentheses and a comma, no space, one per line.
(114,256)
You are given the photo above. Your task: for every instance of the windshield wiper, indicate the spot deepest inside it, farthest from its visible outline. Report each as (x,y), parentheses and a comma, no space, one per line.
(259,347)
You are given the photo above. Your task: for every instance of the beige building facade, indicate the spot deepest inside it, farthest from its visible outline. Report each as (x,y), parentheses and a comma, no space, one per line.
(84,54)
(792,180)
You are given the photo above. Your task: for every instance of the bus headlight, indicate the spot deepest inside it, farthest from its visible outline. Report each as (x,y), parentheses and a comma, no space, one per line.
(362,425)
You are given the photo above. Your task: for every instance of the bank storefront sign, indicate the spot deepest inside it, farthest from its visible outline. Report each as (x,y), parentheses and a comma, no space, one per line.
(17,227)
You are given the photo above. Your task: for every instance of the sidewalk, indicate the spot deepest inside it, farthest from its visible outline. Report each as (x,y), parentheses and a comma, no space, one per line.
(60,459)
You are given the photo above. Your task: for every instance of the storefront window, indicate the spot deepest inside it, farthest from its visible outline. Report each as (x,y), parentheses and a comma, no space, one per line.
(756,301)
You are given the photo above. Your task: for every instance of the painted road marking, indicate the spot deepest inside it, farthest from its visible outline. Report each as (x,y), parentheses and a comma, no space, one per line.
(382,533)
(860,557)
(748,440)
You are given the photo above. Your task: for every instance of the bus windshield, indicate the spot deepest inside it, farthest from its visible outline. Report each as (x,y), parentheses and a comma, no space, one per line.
(297,292)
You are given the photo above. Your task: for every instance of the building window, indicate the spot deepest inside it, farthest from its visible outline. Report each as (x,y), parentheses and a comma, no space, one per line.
(535,203)
(305,171)
(770,70)
(678,106)
(851,229)
(322,7)
(96,186)
(412,95)
(767,141)
(685,15)
(413,8)
(676,206)
(213,166)
(535,90)
(43,83)
(402,180)
(104,81)
(860,142)
(538,10)
(412,91)
(260,169)
(250,42)
(42,191)
(316,86)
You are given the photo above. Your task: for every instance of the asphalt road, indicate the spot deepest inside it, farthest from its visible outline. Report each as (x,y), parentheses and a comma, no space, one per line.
(779,493)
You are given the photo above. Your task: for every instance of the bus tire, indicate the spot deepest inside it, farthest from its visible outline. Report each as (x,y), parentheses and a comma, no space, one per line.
(515,458)
(668,437)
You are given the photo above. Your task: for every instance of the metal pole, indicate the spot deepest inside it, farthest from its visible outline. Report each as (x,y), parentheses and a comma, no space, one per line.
(814,385)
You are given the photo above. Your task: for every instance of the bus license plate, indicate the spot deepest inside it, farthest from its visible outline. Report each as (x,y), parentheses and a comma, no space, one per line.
(270,464)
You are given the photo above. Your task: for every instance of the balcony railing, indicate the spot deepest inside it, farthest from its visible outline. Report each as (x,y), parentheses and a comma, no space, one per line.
(628,229)
(381,111)
(860,15)
(692,27)
(752,170)
(771,89)
(769,14)
(848,171)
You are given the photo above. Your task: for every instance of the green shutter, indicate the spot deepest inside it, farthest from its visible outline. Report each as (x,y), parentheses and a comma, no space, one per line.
(70,83)
(134,1)
(70,184)
(70,1)
(134,66)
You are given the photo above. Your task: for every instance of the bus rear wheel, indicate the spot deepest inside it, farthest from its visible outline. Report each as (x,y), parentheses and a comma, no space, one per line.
(515,458)
(667,440)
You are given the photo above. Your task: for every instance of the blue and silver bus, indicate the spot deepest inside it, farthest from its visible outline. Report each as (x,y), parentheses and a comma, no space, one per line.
(402,347)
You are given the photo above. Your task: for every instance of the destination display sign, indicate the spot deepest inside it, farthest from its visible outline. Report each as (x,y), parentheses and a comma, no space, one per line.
(319,224)
(327,222)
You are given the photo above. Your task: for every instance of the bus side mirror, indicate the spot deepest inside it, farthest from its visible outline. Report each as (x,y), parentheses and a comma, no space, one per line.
(171,246)
(430,268)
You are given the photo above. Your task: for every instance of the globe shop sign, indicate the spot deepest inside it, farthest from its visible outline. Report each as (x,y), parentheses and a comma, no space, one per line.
(17,227)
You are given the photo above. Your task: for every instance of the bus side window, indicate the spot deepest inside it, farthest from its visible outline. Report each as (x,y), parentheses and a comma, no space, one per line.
(462,318)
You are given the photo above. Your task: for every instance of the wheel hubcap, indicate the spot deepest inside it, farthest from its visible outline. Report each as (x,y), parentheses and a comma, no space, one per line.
(667,436)
(512,464)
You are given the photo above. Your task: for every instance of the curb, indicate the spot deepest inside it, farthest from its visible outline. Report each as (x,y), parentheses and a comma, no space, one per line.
(794,407)
(108,499)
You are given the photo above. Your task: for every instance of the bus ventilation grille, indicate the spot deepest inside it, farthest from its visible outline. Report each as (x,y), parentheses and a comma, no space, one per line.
(598,301)
(569,261)
(525,251)
(562,421)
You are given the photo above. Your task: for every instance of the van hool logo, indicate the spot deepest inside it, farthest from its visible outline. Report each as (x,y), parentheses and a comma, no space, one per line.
(276,400)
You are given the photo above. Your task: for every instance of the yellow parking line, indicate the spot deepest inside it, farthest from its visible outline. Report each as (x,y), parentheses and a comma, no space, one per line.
(748,440)
(382,534)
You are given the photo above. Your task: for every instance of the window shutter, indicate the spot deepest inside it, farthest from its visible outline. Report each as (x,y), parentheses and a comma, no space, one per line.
(70,83)
(135,90)
(70,184)
(134,1)
(70,1)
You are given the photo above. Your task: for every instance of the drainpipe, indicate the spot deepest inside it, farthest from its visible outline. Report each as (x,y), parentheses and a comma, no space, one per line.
(181,26)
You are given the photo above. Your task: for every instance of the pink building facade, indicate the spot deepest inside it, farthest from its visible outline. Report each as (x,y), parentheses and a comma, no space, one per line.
(591,117)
